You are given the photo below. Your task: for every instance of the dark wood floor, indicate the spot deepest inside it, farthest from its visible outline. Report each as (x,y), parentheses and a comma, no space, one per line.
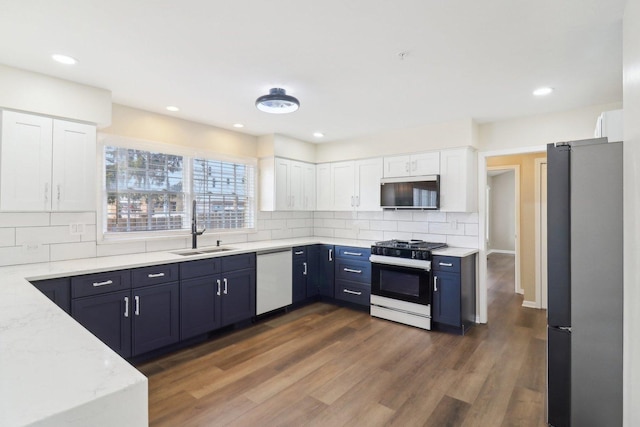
(323,365)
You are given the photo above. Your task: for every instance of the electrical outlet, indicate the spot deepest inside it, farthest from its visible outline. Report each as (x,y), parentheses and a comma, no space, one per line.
(76,229)
(31,247)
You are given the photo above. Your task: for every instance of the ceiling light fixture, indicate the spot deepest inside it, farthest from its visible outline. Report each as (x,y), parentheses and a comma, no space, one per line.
(277,102)
(173,108)
(238,125)
(64,59)
(318,134)
(542,91)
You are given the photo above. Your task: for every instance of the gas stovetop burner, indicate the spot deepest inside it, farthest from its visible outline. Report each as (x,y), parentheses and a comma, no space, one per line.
(410,244)
(413,249)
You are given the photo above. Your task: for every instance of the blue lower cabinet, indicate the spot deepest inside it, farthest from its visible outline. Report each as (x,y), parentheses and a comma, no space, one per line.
(446,298)
(454,293)
(238,299)
(199,308)
(156,322)
(108,317)
(57,290)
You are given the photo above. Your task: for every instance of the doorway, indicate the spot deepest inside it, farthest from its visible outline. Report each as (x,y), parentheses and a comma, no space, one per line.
(502,220)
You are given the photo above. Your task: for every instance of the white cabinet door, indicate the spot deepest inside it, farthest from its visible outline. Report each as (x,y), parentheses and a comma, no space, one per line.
(282,180)
(342,184)
(324,196)
(397,166)
(425,164)
(25,162)
(458,184)
(309,187)
(74,166)
(296,189)
(367,184)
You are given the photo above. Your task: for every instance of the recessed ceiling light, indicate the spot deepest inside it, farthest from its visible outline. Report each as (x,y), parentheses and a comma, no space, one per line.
(238,125)
(318,134)
(64,59)
(173,108)
(542,91)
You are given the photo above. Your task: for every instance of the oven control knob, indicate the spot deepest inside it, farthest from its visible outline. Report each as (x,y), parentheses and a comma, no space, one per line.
(398,252)
(385,251)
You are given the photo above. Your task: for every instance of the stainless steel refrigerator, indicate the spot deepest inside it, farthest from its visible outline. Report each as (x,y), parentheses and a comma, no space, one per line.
(584,247)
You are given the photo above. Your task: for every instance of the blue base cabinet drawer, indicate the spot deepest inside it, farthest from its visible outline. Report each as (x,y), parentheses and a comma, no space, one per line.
(100,283)
(356,293)
(353,253)
(355,271)
(154,275)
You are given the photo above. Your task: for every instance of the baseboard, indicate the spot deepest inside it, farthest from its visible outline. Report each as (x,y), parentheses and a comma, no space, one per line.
(500,251)
(520,291)
(530,304)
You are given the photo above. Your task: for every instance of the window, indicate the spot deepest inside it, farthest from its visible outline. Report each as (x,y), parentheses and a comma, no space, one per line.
(151,191)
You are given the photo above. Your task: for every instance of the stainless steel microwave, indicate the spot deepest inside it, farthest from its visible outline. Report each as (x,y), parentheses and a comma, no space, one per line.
(415,192)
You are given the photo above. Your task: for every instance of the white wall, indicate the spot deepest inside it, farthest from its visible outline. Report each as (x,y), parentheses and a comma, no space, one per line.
(453,134)
(37,93)
(631,168)
(502,212)
(542,129)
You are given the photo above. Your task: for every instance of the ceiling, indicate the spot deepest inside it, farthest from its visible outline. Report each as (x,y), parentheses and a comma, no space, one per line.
(342,59)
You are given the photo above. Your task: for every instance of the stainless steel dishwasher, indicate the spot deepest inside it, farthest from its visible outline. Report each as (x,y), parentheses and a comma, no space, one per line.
(273,282)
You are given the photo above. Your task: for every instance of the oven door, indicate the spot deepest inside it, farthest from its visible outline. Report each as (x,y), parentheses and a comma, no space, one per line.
(402,283)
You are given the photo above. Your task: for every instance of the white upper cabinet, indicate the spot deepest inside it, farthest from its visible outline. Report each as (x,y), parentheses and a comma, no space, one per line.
(74,166)
(350,185)
(458,180)
(367,184)
(412,165)
(286,185)
(46,164)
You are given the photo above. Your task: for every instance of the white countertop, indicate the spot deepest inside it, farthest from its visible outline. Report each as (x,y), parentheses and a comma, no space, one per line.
(54,371)
(457,252)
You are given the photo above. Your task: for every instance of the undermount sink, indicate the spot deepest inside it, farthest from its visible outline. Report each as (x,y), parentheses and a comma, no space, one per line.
(201,251)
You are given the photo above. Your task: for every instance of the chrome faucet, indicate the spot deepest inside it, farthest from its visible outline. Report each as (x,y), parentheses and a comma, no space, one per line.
(194,228)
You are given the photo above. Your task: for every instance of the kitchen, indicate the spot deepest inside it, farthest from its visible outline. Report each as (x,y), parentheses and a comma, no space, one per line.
(136,123)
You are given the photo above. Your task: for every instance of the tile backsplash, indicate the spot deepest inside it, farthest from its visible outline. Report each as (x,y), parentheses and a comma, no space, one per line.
(47,236)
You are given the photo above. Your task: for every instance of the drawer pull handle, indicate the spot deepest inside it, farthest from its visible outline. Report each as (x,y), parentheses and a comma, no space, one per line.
(299,252)
(353,253)
(445,264)
(347,291)
(151,276)
(351,270)
(137,298)
(126,306)
(105,283)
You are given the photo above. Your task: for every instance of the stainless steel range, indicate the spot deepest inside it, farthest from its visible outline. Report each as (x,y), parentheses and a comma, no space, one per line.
(401,281)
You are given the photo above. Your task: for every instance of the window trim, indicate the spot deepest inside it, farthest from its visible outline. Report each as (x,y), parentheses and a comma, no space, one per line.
(166,148)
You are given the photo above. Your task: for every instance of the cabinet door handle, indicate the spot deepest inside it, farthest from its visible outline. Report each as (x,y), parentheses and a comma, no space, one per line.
(414,165)
(105,283)
(330,254)
(350,270)
(46,192)
(218,293)
(305,268)
(347,291)
(151,275)
(225,286)
(299,252)
(357,200)
(353,253)
(126,306)
(58,192)
(137,299)
(445,264)
(352,201)
(406,167)
(435,283)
